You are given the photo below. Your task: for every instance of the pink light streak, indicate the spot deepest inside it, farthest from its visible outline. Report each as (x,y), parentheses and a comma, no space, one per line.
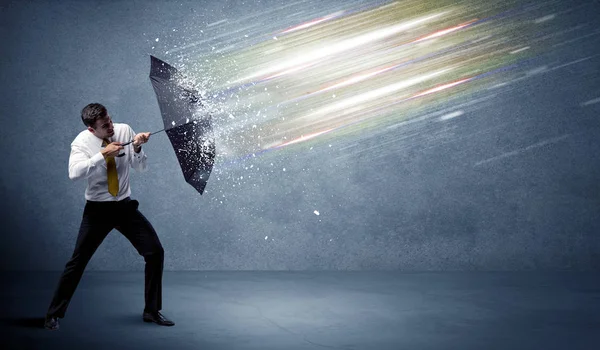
(440,88)
(443,32)
(303,138)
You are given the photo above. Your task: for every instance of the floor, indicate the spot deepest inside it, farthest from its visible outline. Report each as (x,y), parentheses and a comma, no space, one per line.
(311,310)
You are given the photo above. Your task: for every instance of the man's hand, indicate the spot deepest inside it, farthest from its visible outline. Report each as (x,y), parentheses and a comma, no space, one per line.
(111,150)
(140,139)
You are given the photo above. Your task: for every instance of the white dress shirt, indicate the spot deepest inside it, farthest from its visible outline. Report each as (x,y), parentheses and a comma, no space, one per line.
(87,162)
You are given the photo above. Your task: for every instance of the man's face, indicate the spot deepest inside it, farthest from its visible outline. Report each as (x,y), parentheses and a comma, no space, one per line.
(103,128)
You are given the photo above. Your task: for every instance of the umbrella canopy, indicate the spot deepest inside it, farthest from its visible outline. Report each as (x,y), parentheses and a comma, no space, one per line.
(188,131)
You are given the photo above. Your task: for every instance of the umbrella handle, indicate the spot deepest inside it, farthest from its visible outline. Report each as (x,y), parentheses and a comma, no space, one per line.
(126,143)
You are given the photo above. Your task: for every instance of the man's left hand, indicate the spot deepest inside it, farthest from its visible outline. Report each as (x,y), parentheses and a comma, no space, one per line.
(141,138)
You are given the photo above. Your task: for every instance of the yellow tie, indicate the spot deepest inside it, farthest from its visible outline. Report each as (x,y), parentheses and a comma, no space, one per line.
(111,173)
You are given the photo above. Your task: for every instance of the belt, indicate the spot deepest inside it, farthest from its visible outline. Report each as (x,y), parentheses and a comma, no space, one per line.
(124,200)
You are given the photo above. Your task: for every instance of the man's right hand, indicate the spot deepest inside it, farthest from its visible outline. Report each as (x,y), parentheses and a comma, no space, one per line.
(111,150)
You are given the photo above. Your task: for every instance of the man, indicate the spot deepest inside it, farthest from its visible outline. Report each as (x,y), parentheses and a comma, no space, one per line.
(98,155)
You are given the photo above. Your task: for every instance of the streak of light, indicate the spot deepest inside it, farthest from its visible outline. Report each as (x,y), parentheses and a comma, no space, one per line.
(591,102)
(312,23)
(355,79)
(301,139)
(360,68)
(343,46)
(524,149)
(289,71)
(441,87)
(440,33)
(577,39)
(519,50)
(371,95)
(452,115)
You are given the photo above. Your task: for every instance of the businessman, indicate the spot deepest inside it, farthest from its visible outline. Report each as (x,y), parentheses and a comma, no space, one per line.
(98,155)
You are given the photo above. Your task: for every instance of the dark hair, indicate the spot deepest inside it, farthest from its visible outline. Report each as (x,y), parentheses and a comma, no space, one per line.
(93,112)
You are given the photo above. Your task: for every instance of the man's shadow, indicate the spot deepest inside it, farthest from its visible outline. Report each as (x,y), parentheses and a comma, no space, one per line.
(25,322)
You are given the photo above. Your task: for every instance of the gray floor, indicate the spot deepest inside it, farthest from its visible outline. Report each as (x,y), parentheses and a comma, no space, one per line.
(312,310)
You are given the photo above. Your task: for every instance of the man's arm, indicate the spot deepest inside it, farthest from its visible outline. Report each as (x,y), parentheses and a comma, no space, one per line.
(138,158)
(81,165)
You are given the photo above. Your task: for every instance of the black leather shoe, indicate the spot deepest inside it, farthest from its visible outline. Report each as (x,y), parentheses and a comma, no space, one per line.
(157,318)
(51,323)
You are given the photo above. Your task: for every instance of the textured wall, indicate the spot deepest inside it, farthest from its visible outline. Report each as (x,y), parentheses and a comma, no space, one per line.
(512,183)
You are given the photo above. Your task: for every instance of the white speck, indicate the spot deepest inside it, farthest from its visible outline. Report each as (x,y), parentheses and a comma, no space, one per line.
(266,237)
(283,169)
(187,120)
(591,102)
(156,40)
(274,38)
(333,96)
(329,145)
(173,123)
(246,35)
(545,18)
(451,115)
(316,212)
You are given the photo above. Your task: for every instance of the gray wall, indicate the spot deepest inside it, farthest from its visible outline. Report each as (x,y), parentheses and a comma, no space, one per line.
(513,183)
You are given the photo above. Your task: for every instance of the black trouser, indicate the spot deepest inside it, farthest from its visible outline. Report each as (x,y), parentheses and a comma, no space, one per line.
(99,218)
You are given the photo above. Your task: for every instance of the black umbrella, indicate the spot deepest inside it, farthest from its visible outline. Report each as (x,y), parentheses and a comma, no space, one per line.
(188,131)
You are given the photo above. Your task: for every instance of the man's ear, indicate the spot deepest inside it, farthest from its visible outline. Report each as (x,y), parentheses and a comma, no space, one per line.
(91,129)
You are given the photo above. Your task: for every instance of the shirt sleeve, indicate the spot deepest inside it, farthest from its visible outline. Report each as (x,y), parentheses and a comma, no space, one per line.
(138,160)
(81,165)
